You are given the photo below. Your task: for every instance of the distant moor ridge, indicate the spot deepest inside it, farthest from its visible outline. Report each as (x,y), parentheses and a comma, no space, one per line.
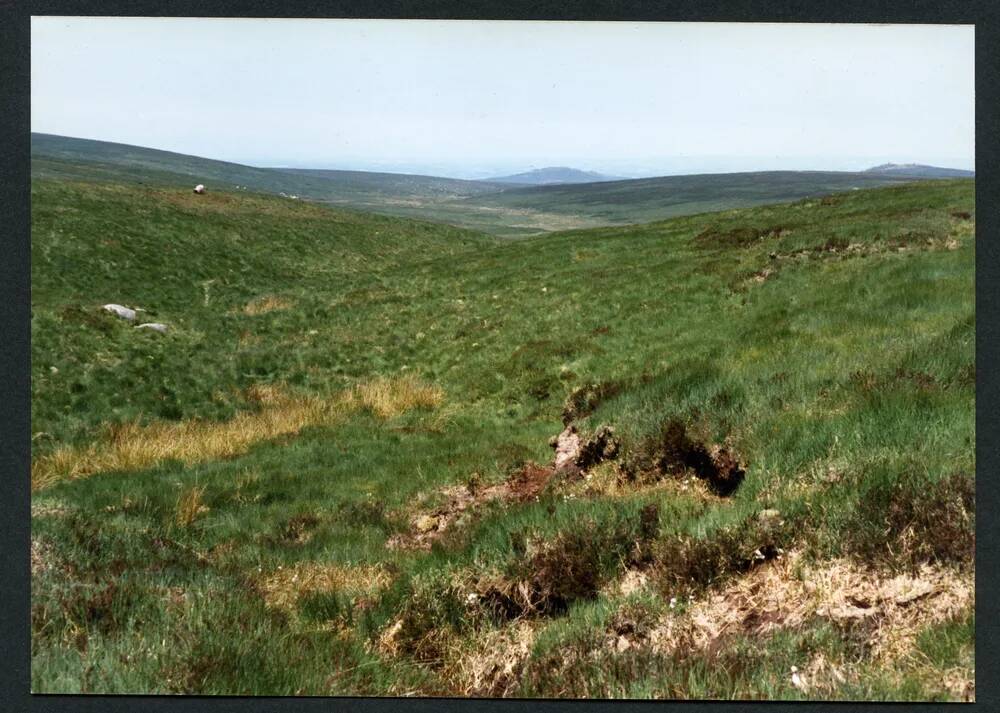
(537,201)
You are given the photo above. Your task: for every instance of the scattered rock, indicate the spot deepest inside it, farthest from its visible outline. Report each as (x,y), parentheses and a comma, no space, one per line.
(154,326)
(567,445)
(574,453)
(125,313)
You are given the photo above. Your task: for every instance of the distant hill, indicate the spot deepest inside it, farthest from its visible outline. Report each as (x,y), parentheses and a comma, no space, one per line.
(68,157)
(647,199)
(500,207)
(553,175)
(919,169)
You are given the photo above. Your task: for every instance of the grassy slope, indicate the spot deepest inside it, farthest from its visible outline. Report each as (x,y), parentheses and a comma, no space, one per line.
(856,364)
(67,157)
(648,199)
(495,208)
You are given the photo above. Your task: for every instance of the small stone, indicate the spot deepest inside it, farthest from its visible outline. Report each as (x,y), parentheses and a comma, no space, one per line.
(155,326)
(125,313)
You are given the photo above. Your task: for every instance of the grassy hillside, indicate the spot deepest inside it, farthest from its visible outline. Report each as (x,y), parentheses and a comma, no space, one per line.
(496,208)
(333,474)
(66,157)
(647,199)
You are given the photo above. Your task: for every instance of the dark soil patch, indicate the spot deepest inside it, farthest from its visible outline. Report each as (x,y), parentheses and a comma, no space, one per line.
(673,452)
(602,446)
(528,482)
(910,520)
(686,563)
(741,237)
(962,215)
(546,581)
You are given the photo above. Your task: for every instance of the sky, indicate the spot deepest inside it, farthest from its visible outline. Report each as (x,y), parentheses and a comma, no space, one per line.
(473,99)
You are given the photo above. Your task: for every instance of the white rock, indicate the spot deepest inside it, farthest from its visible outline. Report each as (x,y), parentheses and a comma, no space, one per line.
(121,311)
(155,326)
(199,189)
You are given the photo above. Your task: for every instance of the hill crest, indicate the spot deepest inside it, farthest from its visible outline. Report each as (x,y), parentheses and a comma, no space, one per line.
(553,175)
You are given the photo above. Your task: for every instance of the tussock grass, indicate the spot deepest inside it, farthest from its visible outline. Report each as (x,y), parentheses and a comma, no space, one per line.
(388,398)
(286,587)
(190,505)
(136,446)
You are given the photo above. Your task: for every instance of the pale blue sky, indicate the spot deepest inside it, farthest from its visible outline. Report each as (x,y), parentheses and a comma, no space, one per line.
(473,99)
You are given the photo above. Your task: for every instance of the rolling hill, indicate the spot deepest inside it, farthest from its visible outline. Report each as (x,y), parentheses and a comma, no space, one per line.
(502,209)
(66,157)
(553,175)
(920,171)
(332,475)
(648,199)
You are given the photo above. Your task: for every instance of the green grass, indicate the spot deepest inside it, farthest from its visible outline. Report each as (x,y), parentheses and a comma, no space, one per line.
(500,209)
(843,381)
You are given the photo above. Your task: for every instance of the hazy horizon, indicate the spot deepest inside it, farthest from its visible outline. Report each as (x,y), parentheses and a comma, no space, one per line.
(475,99)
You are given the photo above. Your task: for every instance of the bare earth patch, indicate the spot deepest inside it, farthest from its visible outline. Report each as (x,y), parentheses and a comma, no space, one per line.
(890,609)
(428,527)
(461,501)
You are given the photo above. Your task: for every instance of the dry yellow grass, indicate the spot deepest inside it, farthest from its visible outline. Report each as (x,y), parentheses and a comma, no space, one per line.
(490,664)
(265,304)
(388,398)
(284,587)
(133,446)
(893,609)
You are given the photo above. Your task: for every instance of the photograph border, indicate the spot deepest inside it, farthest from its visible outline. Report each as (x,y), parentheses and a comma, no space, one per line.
(15,289)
